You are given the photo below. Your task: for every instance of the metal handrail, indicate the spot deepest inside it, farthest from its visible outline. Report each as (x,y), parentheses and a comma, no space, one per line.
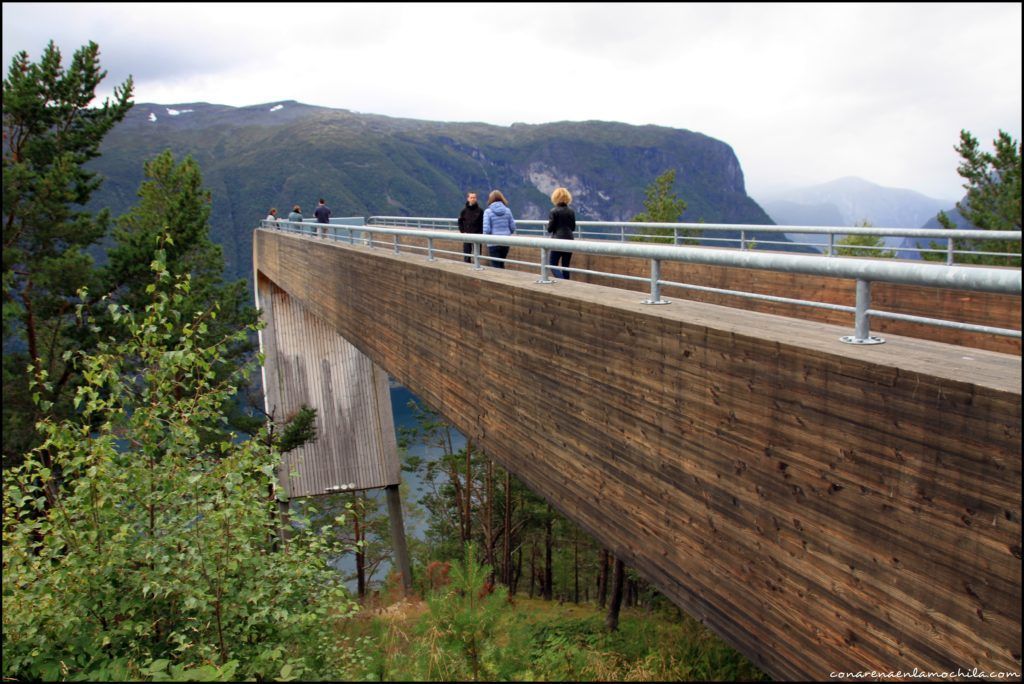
(863,271)
(679,233)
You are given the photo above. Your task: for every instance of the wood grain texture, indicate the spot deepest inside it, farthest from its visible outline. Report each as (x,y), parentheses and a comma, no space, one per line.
(980,308)
(822,507)
(309,364)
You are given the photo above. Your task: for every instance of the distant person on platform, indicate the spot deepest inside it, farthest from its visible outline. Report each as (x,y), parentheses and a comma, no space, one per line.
(323,216)
(561,225)
(296,215)
(498,221)
(271,215)
(471,220)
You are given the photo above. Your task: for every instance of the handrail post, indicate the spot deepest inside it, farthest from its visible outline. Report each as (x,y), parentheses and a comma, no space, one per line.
(476,257)
(622,232)
(351,237)
(397,250)
(675,235)
(655,285)
(544,267)
(430,249)
(743,239)
(831,244)
(949,251)
(862,322)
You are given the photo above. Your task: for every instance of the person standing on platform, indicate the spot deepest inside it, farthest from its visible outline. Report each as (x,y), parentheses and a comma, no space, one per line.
(323,217)
(296,215)
(471,220)
(561,225)
(271,215)
(498,221)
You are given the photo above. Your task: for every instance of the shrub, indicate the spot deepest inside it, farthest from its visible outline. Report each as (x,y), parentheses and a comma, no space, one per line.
(144,550)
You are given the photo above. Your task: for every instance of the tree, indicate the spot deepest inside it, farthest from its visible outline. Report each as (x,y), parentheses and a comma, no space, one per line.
(449,499)
(173,215)
(461,636)
(611,620)
(993,200)
(369,536)
(664,206)
(154,556)
(863,245)
(506,534)
(49,133)
(602,578)
(173,202)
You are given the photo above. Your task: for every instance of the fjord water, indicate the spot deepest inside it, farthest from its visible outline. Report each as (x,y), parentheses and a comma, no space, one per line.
(413,486)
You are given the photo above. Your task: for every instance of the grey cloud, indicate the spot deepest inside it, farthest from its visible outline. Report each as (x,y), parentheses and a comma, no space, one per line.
(144,41)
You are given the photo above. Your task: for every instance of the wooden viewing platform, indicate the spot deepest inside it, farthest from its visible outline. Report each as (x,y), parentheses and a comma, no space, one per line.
(823,507)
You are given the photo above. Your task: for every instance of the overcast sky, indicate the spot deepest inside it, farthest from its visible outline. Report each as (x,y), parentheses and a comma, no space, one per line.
(803,93)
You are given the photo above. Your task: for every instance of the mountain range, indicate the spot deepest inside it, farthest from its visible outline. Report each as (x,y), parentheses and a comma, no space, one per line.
(285,153)
(850,201)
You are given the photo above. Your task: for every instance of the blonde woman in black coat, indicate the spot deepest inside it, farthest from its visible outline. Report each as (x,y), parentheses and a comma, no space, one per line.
(561,226)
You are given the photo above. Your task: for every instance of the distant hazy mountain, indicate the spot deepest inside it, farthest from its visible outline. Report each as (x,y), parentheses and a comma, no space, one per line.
(847,202)
(953,214)
(854,200)
(283,153)
(788,213)
(905,249)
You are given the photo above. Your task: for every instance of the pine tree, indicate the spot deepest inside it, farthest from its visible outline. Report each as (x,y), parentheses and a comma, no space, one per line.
(461,639)
(173,215)
(663,206)
(172,199)
(993,200)
(611,620)
(49,133)
(863,245)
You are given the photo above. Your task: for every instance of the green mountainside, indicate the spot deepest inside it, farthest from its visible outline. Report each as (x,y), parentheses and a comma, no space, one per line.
(285,153)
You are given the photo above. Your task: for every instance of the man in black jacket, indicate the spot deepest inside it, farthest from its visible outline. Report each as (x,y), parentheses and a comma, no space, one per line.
(471,220)
(323,217)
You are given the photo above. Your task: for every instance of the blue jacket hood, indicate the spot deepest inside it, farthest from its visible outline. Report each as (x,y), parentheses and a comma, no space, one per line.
(498,208)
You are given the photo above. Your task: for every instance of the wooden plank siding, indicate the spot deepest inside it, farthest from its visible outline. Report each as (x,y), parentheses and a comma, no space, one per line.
(309,363)
(823,507)
(980,308)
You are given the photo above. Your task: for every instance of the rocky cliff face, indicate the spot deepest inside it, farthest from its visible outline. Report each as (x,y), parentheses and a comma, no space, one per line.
(286,153)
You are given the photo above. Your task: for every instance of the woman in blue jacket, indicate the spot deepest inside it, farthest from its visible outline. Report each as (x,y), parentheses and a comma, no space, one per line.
(498,221)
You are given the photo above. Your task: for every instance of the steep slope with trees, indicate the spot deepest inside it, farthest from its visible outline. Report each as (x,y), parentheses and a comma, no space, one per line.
(362,164)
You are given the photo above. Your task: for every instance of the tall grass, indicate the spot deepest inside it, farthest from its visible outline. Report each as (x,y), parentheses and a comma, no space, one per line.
(465,634)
